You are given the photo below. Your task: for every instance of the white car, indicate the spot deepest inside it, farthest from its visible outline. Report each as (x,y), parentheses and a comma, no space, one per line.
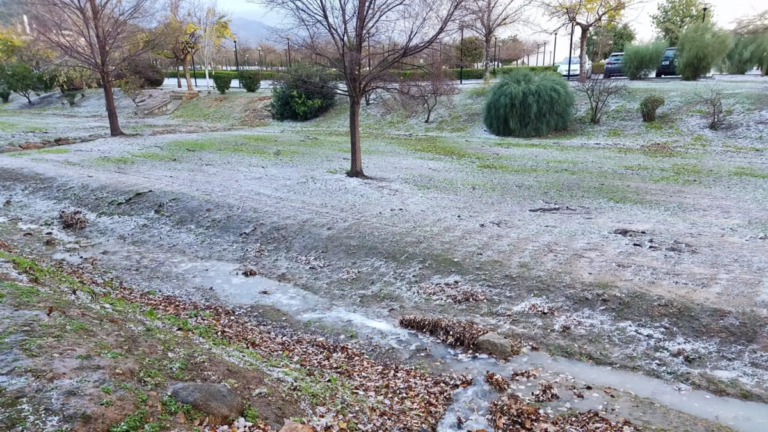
(574,71)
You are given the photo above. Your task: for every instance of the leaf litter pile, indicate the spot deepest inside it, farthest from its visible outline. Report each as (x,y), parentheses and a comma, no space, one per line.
(396,398)
(453,332)
(74,220)
(510,413)
(453,292)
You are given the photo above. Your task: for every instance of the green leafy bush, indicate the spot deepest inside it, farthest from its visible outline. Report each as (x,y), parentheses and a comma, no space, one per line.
(151,76)
(649,106)
(640,60)
(20,78)
(598,68)
(5,93)
(303,94)
(70,97)
(250,80)
(222,82)
(525,104)
(701,47)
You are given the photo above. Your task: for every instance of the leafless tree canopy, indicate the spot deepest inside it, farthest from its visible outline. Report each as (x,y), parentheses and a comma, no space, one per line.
(487,17)
(585,14)
(364,40)
(428,93)
(101,35)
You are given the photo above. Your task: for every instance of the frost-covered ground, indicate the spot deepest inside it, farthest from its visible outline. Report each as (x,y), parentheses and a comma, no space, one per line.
(649,241)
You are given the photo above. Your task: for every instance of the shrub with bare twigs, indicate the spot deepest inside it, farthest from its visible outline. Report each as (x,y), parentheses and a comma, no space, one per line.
(713,103)
(428,93)
(598,93)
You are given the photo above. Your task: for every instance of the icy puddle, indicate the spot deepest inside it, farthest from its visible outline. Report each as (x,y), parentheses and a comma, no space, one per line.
(596,383)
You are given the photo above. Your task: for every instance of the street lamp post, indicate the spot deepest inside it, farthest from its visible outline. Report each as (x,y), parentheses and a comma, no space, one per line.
(554,50)
(237,64)
(704,15)
(288,37)
(246,61)
(194,71)
(495,53)
(570,52)
(261,63)
(461,56)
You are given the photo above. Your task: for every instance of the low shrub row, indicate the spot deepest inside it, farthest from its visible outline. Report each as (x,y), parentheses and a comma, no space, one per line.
(466,74)
(265,75)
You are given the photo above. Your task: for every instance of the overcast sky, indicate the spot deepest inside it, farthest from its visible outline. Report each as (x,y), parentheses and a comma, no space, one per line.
(726,11)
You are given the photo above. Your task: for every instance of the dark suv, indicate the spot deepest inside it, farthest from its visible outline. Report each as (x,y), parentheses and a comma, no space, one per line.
(668,63)
(613,65)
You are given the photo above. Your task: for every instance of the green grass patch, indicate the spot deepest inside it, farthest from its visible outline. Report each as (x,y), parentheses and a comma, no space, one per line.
(636,167)
(54,151)
(655,125)
(159,157)
(113,160)
(743,171)
(681,173)
(436,147)
(614,133)
(9,127)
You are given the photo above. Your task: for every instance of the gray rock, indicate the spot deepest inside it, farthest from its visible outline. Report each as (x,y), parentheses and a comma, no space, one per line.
(494,344)
(216,400)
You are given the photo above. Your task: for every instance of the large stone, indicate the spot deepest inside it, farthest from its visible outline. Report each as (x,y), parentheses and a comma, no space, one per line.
(494,344)
(296,427)
(215,400)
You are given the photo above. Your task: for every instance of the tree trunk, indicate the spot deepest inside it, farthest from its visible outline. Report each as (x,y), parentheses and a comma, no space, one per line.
(207,80)
(583,54)
(487,63)
(186,74)
(429,113)
(356,159)
(109,98)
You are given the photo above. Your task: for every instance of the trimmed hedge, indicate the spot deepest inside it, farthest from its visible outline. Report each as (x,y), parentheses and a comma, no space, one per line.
(250,80)
(526,104)
(222,82)
(265,75)
(415,74)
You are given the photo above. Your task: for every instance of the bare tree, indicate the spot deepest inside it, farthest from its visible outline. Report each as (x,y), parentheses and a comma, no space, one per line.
(585,14)
(337,33)
(427,94)
(598,93)
(214,28)
(101,35)
(487,17)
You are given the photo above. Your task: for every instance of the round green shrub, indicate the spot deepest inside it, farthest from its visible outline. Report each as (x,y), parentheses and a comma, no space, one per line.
(526,104)
(250,80)
(649,105)
(222,82)
(302,94)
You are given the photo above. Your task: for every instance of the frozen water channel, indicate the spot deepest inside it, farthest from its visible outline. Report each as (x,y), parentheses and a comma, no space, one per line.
(472,403)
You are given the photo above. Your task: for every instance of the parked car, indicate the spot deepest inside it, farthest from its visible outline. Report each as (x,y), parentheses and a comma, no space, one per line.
(668,63)
(574,71)
(613,65)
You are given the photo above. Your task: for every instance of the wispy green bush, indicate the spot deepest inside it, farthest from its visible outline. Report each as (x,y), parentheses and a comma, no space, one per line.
(525,104)
(640,60)
(747,52)
(701,47)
